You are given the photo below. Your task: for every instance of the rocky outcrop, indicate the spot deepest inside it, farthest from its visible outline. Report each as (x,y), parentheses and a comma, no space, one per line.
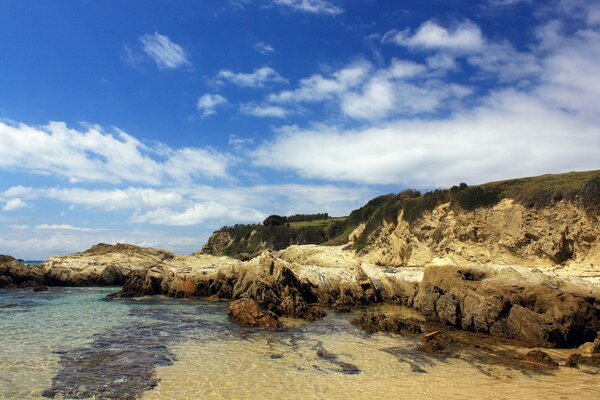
(285,283)
(14,274)
(217,243)
(507,233)
(511,302)
(103,264)
(248,313)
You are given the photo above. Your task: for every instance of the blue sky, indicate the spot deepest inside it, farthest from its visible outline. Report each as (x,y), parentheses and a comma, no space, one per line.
(157,122)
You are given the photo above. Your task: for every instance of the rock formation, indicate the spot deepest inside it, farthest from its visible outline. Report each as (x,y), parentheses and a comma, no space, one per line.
(511,302)
(247,312)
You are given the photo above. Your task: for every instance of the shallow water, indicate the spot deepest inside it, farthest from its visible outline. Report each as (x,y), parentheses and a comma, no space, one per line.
(73,343)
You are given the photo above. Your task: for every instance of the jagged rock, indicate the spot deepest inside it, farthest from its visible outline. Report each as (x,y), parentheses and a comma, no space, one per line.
(378,322)
(217,243)
(247,312)
(541,357)
(512,302)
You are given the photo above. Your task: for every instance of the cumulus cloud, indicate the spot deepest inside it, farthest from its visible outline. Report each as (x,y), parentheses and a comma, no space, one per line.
(94,155)
(312,6)
(319,88)
(208,103)
(258,78)
(165,53)
(364,92)
(512,135)
(550,125)
(14,204)
(465,37)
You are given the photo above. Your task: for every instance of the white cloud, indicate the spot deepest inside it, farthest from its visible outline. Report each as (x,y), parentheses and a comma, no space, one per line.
(312,6)
(550,125)
(263,110)
(164,52)
(14,204)
(34,244)
(465,37)
(512,135)
(258,78)
(108,200)
(192,205)
(199,213)
(363,92)
(264,48)
(318,88)
(209,102)
(94,155)
(503,62)
(65,227)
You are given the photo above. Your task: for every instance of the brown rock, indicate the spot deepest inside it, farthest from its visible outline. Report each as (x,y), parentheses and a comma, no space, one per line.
(516,303)
(377,322)
(590,348)
(541,357)
(247,312)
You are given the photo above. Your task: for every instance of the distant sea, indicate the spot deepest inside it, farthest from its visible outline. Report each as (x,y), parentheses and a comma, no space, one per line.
(33,262)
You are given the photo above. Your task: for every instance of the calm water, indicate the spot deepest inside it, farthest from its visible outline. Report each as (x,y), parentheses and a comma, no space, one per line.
(73,343)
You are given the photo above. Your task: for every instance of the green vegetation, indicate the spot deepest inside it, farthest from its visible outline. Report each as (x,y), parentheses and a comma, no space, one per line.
(252,239)
(539,191)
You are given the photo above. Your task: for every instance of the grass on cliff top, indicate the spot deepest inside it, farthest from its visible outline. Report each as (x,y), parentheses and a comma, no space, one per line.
(544,190)
(319,223)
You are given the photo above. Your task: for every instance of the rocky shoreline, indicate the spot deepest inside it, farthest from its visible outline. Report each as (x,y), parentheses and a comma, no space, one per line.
(534,307)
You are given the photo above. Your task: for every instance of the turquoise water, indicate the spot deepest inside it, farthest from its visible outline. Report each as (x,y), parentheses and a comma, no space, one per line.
(73,343)
(33,262)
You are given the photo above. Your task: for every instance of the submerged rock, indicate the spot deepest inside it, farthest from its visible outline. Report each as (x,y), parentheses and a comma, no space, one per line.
(378,322)
(511,302)
(247,312)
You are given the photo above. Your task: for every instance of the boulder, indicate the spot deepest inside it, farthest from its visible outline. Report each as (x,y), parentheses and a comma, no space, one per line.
(247,312)
(512,302)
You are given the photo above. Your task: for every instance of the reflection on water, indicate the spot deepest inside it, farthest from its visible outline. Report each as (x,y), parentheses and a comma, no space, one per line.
(72,343)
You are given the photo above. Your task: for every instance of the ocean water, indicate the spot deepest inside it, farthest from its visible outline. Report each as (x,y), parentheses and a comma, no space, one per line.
(74,343)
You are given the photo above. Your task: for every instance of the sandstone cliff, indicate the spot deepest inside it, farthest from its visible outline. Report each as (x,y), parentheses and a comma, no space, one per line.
(548,221)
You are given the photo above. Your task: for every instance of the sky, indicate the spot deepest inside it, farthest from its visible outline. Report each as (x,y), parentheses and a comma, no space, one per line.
(157,122)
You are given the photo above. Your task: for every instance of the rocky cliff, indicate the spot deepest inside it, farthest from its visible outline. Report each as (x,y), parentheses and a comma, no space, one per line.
(544,221)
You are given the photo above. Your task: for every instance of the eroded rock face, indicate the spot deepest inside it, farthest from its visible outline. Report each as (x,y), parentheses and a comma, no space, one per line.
(103,264)
(248,313)
(511,302)
(217,243)
(507,233)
